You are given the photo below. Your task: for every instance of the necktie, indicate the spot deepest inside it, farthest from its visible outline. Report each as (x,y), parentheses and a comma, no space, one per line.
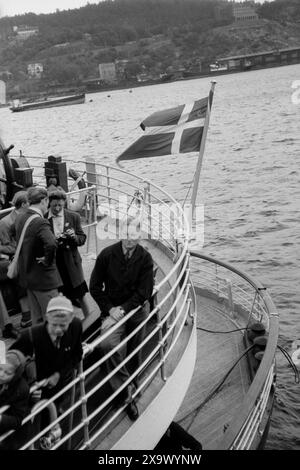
(127,255)
(57,342)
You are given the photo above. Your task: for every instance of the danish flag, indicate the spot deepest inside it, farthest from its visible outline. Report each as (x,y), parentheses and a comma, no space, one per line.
(171,131)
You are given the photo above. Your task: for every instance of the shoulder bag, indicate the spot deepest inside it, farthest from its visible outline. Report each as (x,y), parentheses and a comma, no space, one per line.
(13,270)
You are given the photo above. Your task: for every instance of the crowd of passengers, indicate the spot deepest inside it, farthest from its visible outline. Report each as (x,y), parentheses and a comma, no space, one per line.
(44,237)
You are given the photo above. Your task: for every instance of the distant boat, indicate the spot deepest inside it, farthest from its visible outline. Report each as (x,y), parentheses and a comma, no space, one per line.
(216,67)
(48,103)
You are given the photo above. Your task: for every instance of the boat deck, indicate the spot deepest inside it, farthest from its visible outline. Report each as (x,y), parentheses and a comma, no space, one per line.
(216,353)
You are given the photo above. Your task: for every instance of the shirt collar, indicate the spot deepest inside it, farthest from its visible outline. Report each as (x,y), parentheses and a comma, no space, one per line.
(35,209)
(50,214)
(130,251)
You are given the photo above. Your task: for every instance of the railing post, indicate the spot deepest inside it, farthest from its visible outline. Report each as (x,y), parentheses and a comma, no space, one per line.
(147,199)
(70,418)
(230,298)
(83,406)
(161,349)
(108,190)
(252,306)
(95,218)
(192,301)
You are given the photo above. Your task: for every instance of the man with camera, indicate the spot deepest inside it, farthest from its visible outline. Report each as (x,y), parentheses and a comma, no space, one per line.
(66,226)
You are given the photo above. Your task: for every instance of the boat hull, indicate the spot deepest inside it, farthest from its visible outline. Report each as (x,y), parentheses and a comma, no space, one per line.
(65,101)
(161,411)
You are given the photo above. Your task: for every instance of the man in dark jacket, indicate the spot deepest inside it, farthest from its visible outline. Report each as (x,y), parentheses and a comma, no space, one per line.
(56,345)
(66,226)
(121,281)
(14,392)
(8,247)
(37,268)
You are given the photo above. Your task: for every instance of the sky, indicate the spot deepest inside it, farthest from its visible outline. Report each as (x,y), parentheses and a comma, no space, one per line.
(17,7)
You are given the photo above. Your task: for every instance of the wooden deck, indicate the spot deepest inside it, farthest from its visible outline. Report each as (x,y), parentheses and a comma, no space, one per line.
(216,353)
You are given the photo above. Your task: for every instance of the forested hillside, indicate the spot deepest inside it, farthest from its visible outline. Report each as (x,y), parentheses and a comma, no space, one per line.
(152,35)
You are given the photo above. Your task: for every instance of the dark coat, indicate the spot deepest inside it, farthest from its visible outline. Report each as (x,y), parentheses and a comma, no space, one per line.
(17,396)
(68,256)
(39,241)
(48,358)
(126,283)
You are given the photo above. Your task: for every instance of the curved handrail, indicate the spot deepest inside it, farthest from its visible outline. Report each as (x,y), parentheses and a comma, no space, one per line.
(267,360)
(256,284)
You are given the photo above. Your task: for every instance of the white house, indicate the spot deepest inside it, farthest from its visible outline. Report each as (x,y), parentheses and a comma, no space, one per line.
(35,70)
(107,72)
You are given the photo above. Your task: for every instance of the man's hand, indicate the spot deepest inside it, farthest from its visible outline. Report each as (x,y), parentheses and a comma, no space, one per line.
(36,395)
(116,313)
(71,233)
(53,380)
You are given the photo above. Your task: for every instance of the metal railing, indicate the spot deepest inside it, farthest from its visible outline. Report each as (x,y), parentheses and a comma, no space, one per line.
(245,300)
(239,291)
(164,324)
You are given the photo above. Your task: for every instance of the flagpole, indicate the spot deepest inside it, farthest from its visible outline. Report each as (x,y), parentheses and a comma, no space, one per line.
(201,151)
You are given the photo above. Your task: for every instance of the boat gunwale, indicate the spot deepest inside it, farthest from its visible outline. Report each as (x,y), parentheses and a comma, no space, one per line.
(266,364)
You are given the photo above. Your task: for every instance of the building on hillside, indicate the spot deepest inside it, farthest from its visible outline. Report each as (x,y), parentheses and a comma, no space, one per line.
(107,72)
(121,68)
(244,11)
(35,70)
(24,32)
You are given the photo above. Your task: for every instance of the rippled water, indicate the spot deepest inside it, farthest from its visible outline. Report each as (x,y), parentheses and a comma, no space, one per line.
(249,182)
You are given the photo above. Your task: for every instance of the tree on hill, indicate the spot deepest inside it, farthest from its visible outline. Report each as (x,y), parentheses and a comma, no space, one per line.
(152,34)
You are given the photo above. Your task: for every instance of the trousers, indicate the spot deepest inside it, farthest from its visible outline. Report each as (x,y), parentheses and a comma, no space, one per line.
(38,301)
(113,340)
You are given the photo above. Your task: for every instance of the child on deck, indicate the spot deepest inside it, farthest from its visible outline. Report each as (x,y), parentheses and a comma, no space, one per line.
(14,391)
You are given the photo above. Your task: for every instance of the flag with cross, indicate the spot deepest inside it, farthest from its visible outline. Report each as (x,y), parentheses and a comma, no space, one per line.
(171,131)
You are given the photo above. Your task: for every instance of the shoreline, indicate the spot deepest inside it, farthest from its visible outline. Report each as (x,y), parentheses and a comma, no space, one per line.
(60,91)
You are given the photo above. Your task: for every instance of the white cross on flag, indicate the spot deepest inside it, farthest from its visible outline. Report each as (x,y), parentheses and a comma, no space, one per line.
(171,131)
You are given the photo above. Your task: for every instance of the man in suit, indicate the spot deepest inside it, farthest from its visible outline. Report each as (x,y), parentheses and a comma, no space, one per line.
(121,281)
(37,268)
(66,226)
(8,247)
(56,345)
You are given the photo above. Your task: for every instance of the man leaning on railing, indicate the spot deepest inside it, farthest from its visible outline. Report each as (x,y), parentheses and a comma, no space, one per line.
(55,344)
(122,280)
